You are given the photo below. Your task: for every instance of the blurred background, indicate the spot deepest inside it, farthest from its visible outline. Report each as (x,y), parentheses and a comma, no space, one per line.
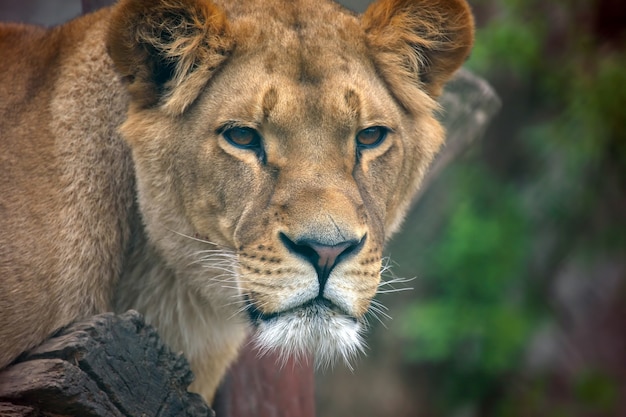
(515,254)
(517,249)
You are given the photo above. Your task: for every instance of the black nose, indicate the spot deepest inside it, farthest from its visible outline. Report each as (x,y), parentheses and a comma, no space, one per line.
(322,256)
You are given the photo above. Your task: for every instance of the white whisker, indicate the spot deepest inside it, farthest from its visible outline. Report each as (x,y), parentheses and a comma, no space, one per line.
(393,284)
(373,314)
(395,290)
(231,287)
(378,310)
(193,238)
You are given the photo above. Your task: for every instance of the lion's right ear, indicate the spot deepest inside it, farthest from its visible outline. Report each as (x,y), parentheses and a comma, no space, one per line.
(166,50)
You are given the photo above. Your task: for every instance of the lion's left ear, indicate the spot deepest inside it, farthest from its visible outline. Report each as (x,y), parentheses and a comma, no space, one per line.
(166,50)
(425,41)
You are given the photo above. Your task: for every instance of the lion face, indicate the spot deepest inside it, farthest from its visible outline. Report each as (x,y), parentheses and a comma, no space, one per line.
(312,172)
(289,138)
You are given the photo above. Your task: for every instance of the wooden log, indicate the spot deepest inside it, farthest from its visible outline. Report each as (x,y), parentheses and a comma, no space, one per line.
(468,104)
(106,366)
(12,410)
(55,386)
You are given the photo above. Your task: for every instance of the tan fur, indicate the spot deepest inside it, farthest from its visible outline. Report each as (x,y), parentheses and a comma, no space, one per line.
(120,190)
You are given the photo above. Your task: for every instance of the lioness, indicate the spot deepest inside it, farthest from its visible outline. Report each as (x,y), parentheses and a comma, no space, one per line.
(221,166)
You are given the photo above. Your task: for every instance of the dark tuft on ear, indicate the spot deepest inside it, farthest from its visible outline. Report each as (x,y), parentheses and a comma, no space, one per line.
(425,41)
(166,50)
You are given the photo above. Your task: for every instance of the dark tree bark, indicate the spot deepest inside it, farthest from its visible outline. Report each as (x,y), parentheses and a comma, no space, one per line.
(108,365)
(468,104)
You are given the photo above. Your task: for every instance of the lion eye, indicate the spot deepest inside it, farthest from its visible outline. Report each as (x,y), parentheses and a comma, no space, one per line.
(371,137)
(246,138)
(243,137)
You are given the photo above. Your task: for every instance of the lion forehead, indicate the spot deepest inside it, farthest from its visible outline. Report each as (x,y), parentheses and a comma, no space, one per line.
(340,102)
(304,39)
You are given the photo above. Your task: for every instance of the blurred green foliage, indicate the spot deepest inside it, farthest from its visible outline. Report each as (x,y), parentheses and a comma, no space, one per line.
(470,272)
(516,206)
(473,321)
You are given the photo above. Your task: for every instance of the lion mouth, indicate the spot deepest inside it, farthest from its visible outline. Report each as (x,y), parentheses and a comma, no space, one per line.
(318,307)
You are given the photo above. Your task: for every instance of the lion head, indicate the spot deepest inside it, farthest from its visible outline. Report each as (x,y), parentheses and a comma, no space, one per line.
(280,143)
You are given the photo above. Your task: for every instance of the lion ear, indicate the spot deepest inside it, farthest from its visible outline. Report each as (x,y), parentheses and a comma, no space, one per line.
(166,50)
(424,41)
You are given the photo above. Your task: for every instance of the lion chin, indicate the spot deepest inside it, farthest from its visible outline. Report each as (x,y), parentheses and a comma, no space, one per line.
(317,329)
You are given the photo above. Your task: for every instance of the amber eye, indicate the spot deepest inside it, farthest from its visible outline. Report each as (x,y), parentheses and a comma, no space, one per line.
(371,137)
(246,138)
(243,137)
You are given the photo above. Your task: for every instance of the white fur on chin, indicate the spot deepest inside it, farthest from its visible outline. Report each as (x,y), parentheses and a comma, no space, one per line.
(313,330)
